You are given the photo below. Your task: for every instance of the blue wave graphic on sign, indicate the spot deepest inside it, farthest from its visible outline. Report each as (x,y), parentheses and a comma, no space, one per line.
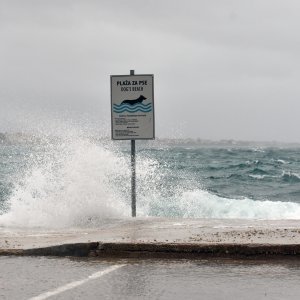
(120,108)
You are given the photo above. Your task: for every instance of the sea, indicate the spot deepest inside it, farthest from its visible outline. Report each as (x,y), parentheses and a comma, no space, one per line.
(68,181)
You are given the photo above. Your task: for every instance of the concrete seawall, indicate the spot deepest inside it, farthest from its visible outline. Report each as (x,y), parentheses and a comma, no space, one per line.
(159,238)
(158,250)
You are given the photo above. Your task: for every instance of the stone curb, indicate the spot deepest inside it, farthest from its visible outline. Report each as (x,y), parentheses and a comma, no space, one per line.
(162,250)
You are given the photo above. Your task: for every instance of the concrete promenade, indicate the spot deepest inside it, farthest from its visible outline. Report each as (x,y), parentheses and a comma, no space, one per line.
(158,237)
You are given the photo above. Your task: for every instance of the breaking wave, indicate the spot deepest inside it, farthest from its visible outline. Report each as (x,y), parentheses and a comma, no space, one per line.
(290,177)
(203,204)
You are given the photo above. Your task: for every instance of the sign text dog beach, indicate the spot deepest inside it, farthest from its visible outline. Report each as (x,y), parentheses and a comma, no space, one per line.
(132,107)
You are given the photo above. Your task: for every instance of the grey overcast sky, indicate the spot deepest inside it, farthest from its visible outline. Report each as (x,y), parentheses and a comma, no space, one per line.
(224,69)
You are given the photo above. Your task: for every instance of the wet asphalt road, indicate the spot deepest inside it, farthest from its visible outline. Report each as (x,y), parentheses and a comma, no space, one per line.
(63,278)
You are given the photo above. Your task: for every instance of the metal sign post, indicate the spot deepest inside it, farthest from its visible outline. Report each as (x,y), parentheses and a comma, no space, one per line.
(133,173)
(132,115)
(133,180)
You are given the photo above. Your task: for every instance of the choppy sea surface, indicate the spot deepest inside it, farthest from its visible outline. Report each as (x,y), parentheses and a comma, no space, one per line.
(70,181)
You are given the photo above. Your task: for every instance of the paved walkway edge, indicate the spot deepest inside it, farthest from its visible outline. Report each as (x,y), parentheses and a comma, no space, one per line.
(162,250)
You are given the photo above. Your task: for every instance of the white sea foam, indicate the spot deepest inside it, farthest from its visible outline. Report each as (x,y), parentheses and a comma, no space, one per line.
(281,161)
(257,176)
(202,204)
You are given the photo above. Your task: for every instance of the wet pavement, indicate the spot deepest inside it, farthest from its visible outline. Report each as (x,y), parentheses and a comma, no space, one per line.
(157,230)
(64,278)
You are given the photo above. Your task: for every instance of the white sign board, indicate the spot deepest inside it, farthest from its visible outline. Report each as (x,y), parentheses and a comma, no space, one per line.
(132,107)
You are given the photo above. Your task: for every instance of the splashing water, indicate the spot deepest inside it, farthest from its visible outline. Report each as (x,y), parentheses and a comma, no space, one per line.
(76,181)
(68,183)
